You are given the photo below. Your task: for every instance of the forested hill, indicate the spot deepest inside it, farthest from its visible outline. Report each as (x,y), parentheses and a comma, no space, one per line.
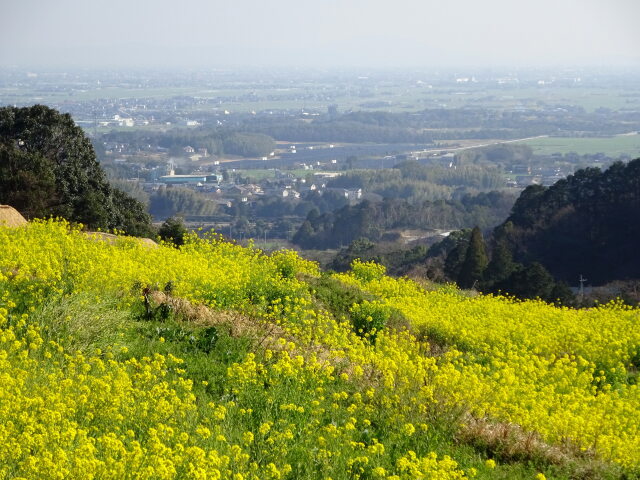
(370,220)
(587,224)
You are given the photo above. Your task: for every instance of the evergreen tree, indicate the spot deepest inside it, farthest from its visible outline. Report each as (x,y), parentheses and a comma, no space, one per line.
(27,182)
(475,261)
(501,265)
(313,215)
(304,236)
(173,231)
(48,167)
(456,256)
(532,281)
(585,224)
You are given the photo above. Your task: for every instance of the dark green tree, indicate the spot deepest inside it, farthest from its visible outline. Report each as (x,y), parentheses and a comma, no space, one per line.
(130,215)
(584,224)
(501,265)
(313,215)
(532,281)
(475,261)
(173,231)
(27,182)
(457,255)
(48,167)
(304,235)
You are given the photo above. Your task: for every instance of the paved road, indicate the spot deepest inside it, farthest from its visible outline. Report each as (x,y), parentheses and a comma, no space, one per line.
(457,149)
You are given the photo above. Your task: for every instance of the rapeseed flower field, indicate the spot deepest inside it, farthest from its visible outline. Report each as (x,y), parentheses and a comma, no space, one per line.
(215,361)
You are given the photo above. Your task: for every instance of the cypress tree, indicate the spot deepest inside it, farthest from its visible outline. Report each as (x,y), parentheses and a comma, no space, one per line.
(305,235)
(501,265)
(475,261)
(455,259)
(455,246)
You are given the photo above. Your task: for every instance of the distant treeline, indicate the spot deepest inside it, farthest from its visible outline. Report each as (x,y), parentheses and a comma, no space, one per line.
(433,125)
(371,220)
(217,141)
(345,131)
(411,180)
(168,202)
(272,206)
(251,136)
(398,260)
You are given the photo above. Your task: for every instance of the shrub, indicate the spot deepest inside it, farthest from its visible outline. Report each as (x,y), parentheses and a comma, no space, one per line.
(289,263)
(367,271)
(369,318)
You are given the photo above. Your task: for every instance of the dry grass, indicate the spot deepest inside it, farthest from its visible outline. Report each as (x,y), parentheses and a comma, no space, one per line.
(259,332)
(112,239)
(510,443)
(262,334)
(10,217)
(147,242)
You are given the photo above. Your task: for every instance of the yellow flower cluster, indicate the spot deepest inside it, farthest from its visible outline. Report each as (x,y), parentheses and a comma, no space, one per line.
(323,401)
(68,415)
(53,256)
(566,374)
(296,410)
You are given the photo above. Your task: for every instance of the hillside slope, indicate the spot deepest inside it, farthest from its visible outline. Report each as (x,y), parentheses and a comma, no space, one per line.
(217,361)
(585,224)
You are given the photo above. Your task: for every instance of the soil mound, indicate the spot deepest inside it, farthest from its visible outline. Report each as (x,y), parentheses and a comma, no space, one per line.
(111,238)
(10,217)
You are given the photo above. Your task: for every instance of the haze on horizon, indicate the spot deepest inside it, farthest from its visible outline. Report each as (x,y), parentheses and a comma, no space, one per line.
(326,33)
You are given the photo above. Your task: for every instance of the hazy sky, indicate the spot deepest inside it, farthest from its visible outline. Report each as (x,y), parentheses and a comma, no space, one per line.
(324,33)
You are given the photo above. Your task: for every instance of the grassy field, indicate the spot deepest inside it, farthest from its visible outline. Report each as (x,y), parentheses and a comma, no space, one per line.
(588,98)
(611,146)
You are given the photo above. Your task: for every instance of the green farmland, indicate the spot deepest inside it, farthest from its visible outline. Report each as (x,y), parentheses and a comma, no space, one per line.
(610,146)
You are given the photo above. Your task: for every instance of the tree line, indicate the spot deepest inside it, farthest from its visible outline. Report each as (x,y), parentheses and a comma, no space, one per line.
(436,124)
(370,220)
(217,141)
(467,262)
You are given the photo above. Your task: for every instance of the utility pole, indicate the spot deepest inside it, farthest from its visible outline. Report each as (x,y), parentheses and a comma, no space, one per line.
(582,280)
